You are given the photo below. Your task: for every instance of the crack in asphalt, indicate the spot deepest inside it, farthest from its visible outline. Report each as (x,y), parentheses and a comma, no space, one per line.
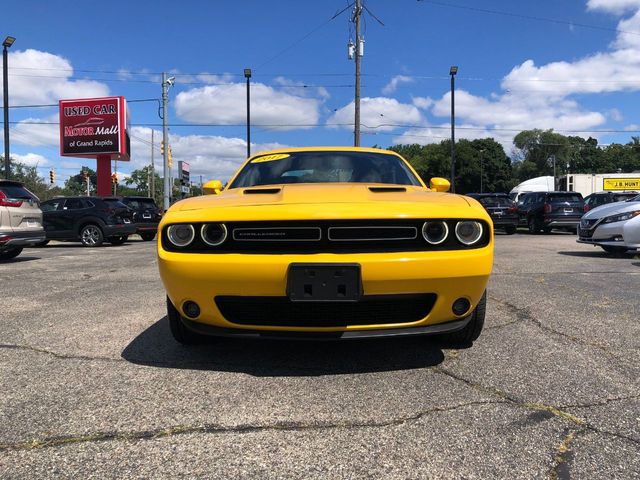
(212,428)
(600,403)
(61,356)
(563,457)
(524,314)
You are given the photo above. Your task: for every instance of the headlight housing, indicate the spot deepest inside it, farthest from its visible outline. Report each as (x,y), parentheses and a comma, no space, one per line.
(469,232)
(435,231)
(181,235)
(621,217)
(213,234)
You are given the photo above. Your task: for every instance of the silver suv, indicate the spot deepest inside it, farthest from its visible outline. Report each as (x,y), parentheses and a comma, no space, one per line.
(20,219)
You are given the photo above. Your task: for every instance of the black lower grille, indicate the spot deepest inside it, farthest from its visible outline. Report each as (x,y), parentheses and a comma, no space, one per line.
(369,310)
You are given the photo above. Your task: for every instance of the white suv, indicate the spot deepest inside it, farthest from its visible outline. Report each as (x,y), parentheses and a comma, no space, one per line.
(20,219)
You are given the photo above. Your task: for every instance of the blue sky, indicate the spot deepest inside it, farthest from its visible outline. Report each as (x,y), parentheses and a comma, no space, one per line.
(573,66)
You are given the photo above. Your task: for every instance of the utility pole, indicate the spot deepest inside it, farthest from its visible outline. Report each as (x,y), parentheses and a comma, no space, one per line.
(453,71)
(152,180)
(358,56)
(166,83)
(5,92)
(247,75)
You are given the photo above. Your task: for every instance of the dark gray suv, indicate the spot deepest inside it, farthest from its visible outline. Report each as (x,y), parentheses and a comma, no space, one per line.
(544,211)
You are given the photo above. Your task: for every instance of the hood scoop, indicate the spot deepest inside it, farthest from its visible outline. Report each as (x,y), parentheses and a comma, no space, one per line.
(258,191)
(387,189)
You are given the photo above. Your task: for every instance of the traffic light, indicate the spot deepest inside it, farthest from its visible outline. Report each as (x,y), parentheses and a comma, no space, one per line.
(162,147)
(170,157)
(52,177)
(114,178)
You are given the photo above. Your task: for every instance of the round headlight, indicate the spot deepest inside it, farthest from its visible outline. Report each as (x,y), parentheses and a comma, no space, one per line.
(469,231)
(214,234)
(181,235)
(435,232)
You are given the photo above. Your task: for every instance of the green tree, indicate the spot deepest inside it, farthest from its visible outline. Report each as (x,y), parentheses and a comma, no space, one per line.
(540,147)
(76,184)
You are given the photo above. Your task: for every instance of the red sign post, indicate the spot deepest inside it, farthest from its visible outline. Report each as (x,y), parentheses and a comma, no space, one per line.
(96,128)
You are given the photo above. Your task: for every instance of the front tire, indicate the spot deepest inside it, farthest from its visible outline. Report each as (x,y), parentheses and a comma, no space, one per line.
(614,250)
(148,236)
(91,235)
(510,230)
(9,254)
(118,240)
(180,333)
(472,331)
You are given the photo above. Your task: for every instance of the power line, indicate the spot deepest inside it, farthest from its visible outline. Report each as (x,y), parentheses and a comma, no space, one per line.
(527,17)
(43,105)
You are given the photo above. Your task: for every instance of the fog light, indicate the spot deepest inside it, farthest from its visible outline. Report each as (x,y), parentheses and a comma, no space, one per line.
(191,309)
(461,306)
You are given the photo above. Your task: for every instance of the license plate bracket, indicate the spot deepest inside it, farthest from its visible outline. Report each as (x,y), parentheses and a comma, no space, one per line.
(324,282)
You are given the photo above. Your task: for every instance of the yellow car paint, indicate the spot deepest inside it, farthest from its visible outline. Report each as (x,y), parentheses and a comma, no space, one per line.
(450,274)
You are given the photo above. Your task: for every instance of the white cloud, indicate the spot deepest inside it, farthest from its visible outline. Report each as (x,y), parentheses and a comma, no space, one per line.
(37,77)
(613,6)
(226,105)
(37,132)
(209,156)
(381,113)
(395,81)
(615,115)
(31,159)
(422,102)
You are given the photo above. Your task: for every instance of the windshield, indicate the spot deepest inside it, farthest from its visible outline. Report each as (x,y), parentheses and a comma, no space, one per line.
(496,201)
(140,203)
(325,167)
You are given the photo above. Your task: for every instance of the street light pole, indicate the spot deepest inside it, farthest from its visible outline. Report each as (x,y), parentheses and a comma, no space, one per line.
(247,75)
(166,83)
(5,87)
(452,71)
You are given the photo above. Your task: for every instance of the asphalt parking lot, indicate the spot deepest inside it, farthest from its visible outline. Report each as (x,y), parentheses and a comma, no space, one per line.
(93,385)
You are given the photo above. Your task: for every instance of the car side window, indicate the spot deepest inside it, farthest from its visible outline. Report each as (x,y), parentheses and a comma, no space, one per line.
(73,204)
(51,206)
(87,204)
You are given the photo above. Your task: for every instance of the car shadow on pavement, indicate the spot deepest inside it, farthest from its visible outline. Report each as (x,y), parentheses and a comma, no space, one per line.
(596,254)
(19,259)
(267,357)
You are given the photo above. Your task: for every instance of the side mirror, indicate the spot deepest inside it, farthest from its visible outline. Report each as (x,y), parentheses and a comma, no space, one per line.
(212,187)
(439,184)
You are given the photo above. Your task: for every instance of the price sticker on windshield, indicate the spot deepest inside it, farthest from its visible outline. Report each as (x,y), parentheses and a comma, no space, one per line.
(270,158)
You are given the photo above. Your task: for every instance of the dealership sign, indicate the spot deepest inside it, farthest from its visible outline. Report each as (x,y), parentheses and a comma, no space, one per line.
(95,126)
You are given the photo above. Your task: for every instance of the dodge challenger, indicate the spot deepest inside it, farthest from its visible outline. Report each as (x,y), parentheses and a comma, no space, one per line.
(326,243)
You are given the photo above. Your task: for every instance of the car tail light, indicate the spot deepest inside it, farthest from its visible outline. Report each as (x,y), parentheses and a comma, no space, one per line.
(9,202)
(547,208)
(512,209)
(586,208)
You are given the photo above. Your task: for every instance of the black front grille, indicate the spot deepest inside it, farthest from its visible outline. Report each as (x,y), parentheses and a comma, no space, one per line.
(369,310)
(326,236)
(585,233)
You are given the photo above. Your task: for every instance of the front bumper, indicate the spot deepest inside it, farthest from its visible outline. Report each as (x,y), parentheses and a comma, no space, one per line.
(9,240)
(607,234)
(119,229)
(447,274)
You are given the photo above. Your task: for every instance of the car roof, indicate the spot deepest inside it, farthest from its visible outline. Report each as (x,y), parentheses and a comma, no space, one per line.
(12,182)
(487,194)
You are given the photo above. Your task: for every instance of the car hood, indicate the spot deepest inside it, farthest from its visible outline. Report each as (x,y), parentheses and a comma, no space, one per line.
(346,200)
(611,209)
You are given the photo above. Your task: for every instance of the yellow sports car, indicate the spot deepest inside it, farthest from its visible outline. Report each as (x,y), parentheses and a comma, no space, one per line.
(326,242)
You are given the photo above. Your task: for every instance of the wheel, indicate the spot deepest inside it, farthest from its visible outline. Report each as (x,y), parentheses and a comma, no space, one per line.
(9,254)
(534,225)
(148,236)
(510,229)
(547,229)
(471,332)
(119,240)
(91,236)
(181,334)
(613,250)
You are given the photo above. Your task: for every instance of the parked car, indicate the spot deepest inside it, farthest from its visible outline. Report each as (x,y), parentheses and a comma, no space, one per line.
(501,208)
(90,220)
(631,233)
(544,211)
(20,219)
(326,242)
(146,215)
(601,198)
(603,226)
